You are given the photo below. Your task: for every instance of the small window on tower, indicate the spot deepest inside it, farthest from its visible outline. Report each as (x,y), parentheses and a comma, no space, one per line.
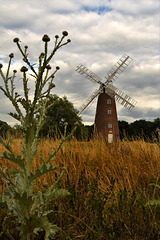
(109,125)
(109,101)
(109,111)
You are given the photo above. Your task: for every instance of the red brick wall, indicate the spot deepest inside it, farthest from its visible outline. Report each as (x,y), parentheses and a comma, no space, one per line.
(103,118)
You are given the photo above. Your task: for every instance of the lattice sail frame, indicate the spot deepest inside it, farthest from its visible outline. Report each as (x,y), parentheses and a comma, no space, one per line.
(88,73)
(111,90)
(120,96)
(118,68)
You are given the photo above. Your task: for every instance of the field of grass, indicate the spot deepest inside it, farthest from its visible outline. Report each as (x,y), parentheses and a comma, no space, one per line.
(110,185)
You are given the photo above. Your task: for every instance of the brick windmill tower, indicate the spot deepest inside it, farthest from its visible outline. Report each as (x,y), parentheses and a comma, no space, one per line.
(106,121)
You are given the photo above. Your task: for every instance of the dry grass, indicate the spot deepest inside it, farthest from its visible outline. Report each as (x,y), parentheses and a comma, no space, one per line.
(108,185)
(131,164)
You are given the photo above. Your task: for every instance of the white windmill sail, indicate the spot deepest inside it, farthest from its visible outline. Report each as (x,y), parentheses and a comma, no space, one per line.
(118,68)
(120,96)
(89,100)
(88,73)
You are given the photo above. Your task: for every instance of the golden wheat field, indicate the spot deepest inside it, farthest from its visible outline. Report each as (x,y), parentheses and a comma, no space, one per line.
(132,164)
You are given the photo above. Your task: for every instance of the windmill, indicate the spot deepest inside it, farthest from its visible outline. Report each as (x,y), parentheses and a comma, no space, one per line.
(106,122)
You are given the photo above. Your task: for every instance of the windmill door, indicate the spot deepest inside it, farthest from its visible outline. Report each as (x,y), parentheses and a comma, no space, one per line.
(110,137)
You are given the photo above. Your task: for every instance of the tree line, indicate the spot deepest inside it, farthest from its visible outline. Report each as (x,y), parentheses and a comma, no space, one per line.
(139,129)
(61,111)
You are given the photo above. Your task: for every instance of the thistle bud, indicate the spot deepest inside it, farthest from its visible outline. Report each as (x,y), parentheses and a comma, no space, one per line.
(45,38)
(25,47)
(51,85)
(11,55)
(56,36)
(1,65)
(42,55)
(57,68)
(48,67)
(16,40)
(68,40)
(65,33)
(24,69)
(14,71)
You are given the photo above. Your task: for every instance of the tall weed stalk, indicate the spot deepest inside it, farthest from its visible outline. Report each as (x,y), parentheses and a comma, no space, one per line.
(28,206)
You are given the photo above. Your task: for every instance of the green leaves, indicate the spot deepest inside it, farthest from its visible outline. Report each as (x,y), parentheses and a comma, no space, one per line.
(10,155)
(153,203)
(51,195)
(30,208)
(50,231)
(45,225)
(46,168)
(13,158)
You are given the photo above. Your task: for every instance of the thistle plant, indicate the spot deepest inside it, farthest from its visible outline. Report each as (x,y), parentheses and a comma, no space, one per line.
(21,200)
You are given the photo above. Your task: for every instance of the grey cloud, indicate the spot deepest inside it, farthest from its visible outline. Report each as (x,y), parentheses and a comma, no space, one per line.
(141,113)
(136,7)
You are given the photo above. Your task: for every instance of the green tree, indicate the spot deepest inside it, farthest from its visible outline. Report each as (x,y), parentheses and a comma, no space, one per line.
(123,129)
(59,111)
(18,131)
(142,128)
(156,123)
(4,129)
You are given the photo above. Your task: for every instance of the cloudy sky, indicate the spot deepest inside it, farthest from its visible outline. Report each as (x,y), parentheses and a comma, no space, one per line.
(101,31)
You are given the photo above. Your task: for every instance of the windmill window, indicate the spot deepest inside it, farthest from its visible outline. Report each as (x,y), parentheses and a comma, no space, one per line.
(109,125)
(109,101)
(109,111)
